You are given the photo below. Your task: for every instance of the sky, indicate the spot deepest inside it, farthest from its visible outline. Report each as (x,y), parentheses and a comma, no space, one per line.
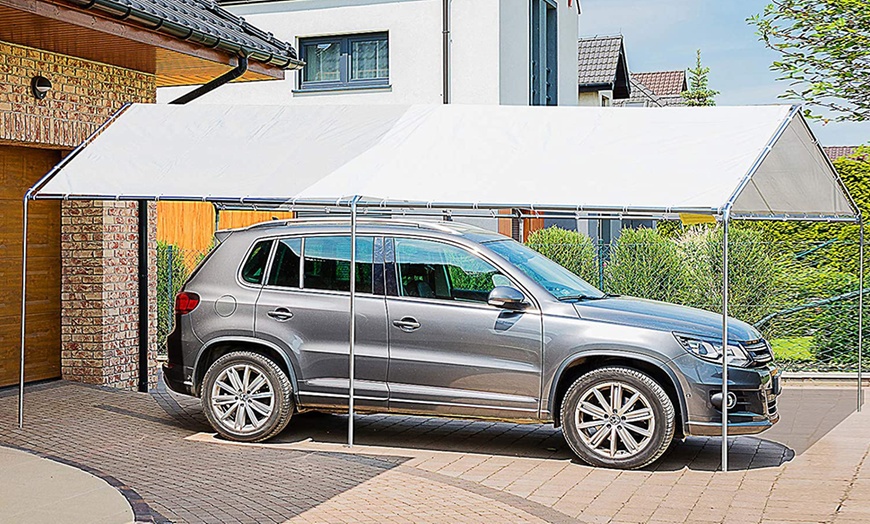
(663,35)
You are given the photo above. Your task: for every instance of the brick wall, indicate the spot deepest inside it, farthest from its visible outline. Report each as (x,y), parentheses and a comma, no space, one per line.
(100,314)
(99,240)
(83,95)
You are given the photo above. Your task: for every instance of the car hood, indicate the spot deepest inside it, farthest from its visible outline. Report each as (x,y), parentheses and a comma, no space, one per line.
(663,316)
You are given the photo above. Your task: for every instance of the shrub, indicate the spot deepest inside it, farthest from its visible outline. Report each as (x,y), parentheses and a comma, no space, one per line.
(171,274)
(835,342)
(754,268)
(570,249)
(645,264)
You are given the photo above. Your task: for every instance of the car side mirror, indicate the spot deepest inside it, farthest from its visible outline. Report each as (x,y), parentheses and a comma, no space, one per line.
(506,297)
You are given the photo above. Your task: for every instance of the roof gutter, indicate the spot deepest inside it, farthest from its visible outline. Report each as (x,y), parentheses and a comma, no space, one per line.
(163,25)
(229,76)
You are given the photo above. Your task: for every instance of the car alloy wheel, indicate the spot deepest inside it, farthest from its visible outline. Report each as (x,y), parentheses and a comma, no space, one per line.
(615,420)
(617,417)
(242,398)
(247,397)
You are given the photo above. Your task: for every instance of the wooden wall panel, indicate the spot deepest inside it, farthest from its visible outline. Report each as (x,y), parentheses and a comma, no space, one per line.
(19,168)
(190,225)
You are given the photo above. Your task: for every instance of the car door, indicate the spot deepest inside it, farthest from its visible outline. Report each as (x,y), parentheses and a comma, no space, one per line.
(450,351)
(304,308)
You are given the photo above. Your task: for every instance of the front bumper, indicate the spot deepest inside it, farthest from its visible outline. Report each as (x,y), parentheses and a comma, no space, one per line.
(756,390)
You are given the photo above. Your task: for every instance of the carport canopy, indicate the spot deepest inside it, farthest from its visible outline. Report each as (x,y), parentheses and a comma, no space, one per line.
(757,161)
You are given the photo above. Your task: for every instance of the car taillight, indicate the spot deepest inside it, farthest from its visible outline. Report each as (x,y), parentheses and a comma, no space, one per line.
(185,302)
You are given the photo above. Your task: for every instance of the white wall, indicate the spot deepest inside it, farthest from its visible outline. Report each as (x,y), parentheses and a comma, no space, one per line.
(569,25)
(514,68)
(414,28)
(594,98)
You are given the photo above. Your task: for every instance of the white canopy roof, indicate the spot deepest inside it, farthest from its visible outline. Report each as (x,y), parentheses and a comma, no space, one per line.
(762,161)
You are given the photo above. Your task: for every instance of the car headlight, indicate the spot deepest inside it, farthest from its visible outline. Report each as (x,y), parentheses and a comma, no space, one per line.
(711,350)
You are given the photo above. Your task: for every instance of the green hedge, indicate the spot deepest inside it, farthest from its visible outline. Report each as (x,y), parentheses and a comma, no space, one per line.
(645,264)
(574,251)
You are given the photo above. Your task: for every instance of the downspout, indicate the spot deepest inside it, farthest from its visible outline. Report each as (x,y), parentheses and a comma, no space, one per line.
(445,51)
(144,306)
(229,76)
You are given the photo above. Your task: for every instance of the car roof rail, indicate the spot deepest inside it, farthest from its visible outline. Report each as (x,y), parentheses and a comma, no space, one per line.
(420,224)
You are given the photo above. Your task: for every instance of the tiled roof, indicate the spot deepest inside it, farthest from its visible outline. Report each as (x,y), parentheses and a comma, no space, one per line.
(202,22)
(663,83)
(601,62)
(835,152)
(598,58)
(640,94)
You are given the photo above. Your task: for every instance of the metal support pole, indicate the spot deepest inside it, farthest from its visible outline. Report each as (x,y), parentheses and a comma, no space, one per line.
(23,313)
(352,324)
(860,311)
(725,218)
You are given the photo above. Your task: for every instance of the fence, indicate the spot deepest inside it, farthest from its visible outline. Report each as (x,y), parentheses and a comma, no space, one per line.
(802,295)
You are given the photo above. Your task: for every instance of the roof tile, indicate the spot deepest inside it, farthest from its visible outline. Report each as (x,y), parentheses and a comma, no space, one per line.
(598,58)
(663,83)
(207,24)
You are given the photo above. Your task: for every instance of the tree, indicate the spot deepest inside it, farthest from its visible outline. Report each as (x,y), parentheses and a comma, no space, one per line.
(699,94)
(825,52)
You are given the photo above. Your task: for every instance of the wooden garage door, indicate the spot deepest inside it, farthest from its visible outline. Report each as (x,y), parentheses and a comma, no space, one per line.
(20,167)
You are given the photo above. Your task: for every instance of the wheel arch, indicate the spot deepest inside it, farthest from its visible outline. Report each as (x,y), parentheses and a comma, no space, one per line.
(580,364)
(218,347)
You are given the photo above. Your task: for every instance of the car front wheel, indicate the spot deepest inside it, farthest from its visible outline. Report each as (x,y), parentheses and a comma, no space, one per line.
(247,397)
(617,417)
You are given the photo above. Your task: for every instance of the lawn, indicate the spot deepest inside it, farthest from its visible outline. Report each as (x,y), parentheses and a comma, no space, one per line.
(793,348)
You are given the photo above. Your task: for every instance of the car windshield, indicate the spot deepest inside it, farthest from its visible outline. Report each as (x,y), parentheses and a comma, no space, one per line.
(560,282)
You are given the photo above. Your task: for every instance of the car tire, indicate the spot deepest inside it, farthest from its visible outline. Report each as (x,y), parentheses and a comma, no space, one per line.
(631,432)
(247,397)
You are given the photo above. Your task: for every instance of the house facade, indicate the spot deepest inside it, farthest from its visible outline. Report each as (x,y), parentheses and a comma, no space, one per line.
(514,52)
(66,68)
(510,52)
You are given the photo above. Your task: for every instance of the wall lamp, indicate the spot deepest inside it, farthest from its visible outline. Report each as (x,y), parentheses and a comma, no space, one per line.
(40,86)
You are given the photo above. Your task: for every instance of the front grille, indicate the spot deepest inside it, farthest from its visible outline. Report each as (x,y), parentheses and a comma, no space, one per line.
(759,351)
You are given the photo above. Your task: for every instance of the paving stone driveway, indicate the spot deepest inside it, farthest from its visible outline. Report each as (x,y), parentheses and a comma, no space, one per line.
(810,468)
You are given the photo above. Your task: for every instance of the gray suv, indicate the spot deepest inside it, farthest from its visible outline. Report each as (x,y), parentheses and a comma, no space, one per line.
(453,321)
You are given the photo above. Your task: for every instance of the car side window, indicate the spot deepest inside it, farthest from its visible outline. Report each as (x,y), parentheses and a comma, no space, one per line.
(327,263)
(436,270)
(286,263)
(255,265)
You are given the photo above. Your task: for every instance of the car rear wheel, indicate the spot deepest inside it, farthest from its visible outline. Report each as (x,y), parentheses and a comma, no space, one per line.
(617,417)
(247,397)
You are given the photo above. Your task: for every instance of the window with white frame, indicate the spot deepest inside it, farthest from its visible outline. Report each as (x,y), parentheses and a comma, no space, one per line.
(345,62)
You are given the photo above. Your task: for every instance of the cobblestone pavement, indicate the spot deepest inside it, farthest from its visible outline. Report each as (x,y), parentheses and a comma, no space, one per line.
(809,468)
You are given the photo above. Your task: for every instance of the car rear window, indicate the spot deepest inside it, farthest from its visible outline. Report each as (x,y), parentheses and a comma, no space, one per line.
(327,263)
(285,266)
(255,265)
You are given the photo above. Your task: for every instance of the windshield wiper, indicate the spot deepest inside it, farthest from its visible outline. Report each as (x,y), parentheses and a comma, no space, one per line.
(581,297)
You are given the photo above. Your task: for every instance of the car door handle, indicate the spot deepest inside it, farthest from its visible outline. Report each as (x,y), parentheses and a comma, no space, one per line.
(407,324)
(281,314)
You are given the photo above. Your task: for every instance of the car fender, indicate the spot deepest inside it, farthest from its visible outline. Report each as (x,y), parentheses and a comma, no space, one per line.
(622,354)
(254,341)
